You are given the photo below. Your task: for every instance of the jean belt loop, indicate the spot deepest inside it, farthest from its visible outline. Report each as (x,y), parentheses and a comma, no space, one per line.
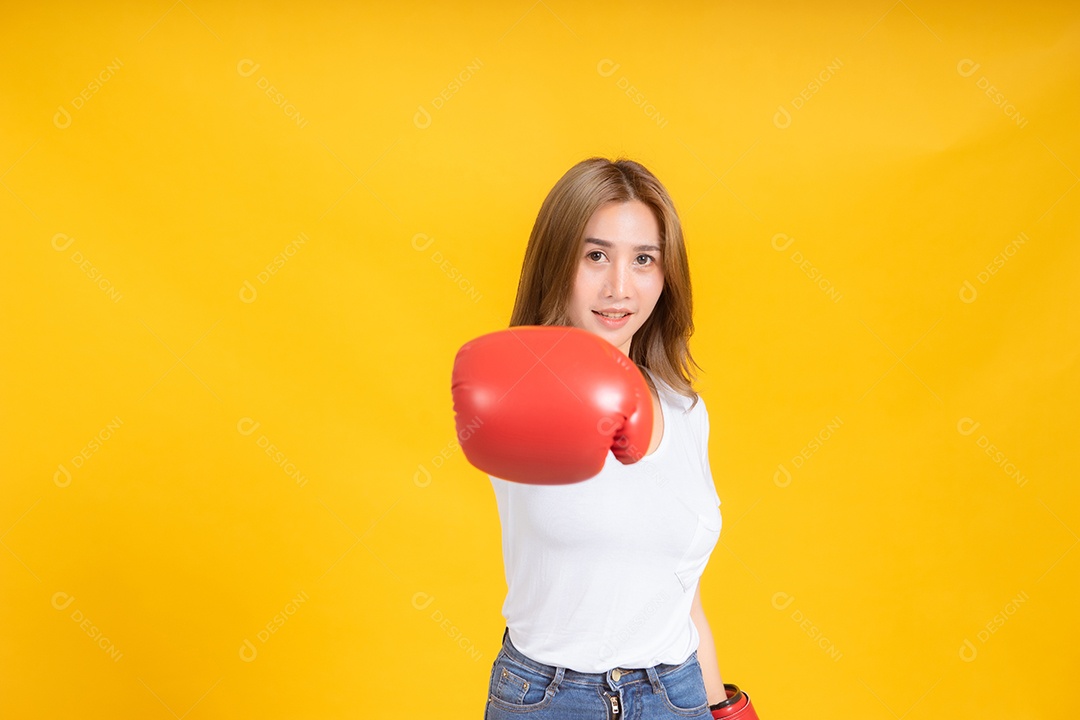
(554,686)
(654,679)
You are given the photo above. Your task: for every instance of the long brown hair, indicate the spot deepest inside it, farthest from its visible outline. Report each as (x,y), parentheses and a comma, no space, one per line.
(553,253)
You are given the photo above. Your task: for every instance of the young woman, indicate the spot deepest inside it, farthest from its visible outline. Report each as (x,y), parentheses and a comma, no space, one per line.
(603,610)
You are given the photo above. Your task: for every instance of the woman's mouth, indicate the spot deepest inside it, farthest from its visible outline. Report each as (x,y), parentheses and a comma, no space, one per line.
(612,320)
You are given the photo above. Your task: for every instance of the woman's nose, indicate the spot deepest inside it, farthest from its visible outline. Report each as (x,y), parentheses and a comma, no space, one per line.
(617,281)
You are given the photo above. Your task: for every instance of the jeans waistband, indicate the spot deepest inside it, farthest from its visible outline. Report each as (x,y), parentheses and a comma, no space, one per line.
(613,678)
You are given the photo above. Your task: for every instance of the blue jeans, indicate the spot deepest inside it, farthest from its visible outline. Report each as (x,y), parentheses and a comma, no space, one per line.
(523,689)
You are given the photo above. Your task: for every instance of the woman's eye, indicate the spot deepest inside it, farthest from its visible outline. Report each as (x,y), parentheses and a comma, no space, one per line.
(648,259)
(594,252)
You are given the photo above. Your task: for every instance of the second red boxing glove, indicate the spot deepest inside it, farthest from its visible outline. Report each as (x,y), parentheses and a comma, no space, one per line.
(544,404)
(736,707)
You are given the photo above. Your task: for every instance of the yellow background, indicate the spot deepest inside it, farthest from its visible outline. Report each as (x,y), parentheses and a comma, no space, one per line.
(231,481)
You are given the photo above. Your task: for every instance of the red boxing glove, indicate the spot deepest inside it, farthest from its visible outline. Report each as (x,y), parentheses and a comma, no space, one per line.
(736,707)
(544,404)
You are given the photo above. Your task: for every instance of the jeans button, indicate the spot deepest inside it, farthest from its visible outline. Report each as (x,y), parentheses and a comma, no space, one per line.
(616,674)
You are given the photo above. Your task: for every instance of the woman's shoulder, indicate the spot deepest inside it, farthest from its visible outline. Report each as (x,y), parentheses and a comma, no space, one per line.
(688,405)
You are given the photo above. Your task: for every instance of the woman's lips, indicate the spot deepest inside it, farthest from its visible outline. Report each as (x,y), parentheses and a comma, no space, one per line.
(612,322)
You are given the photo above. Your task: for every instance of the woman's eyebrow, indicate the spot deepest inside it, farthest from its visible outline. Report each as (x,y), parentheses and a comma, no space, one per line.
(608,244)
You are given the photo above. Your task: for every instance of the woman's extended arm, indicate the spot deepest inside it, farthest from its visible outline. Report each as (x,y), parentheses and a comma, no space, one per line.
(710,668)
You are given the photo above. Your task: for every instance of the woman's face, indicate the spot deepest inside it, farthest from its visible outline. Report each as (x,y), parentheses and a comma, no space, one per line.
(619,272)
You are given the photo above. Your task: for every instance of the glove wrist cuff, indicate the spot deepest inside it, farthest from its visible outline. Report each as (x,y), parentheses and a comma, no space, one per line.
(736,706)
(734,695)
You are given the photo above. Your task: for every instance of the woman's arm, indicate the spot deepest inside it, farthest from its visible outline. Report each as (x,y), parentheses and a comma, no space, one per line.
(710,668)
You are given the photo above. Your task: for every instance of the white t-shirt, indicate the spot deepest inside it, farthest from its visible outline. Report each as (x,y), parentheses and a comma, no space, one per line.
(601,573)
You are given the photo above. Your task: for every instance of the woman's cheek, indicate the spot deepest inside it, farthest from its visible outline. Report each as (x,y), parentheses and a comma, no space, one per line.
(654,284)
